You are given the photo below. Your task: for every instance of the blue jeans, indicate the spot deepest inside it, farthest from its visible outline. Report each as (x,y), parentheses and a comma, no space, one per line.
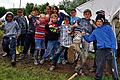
(103,56)
(9,46)
(51,48)
(58,53)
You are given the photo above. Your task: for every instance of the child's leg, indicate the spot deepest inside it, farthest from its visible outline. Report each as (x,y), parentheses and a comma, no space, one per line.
(100,61)
(57,55)
(27,44)
(13,49)
(5,45)
(112,64)
(65,53)
(48,50)
(36,54)
(32,44)
(54,49)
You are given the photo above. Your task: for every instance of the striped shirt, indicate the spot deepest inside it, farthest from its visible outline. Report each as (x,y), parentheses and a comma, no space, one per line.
(40,31)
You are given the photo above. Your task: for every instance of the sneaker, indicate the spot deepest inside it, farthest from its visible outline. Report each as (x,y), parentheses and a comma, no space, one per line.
(42,61)
(77,68)
(92,70)
(64,62)
(4,55)
(36,62)
(13,63)
(52,68)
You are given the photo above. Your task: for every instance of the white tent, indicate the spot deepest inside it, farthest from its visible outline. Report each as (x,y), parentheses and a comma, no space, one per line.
(111,8)
(63,11)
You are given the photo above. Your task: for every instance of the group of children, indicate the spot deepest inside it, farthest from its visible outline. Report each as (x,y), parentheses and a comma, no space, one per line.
(50,35)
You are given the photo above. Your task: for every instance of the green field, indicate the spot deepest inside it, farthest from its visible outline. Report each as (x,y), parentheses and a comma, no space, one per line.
(31,72)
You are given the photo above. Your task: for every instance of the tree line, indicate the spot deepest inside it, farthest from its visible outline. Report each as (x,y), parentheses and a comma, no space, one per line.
(63,5)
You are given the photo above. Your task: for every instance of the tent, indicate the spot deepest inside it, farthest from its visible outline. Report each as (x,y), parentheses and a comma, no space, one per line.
(63,11)
(111,8)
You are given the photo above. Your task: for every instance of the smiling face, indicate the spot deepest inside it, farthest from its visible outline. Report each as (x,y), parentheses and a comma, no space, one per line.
(73,13)
(48,10)
(20,13)
(99,23)
(87,15)
(9,18)
(54,18)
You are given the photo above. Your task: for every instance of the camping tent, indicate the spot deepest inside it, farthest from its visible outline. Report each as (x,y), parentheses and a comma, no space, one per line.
(111,8)
(63,11)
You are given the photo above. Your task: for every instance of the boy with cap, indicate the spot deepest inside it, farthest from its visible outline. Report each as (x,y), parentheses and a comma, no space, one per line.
(106,45)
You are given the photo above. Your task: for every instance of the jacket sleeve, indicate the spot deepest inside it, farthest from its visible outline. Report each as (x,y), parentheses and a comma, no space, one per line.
(90,38)
(18,28)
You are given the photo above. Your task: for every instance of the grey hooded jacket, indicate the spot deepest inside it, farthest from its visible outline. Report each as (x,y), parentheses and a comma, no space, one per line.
(11,29)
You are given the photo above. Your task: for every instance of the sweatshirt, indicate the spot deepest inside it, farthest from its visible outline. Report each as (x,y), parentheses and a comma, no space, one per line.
(52,31)
(104,37)
(11,29)
(22,22)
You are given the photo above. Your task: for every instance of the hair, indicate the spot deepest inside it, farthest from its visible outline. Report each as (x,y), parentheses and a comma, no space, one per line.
(42,15)
(67,18)
(20,10)
(87,10)
(49,7)
(54,16)
(35,9)
(73,10)
(56,8)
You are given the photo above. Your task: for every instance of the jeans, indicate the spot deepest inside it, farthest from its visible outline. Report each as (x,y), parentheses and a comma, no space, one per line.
(29,43)
(9,46)
(51,48)
(58,53)
(103,55)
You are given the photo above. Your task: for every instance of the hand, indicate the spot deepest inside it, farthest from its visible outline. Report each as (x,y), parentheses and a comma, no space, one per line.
(50,23)
(68,32)
(17,36)
(83,33)
(37,21)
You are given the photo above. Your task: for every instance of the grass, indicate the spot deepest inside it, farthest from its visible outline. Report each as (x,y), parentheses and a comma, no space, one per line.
(31,72)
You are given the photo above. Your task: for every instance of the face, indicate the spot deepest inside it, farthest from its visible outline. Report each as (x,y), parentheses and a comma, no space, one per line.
(55,11)
(87,15)
(54,19)
(20,13)
(48,10)
(9,18)
(35,13)
(73,13)
(99,23)
(42,19)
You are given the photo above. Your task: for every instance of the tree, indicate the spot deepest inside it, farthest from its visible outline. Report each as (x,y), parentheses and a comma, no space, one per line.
(67,5)
(2,11)
(29,7)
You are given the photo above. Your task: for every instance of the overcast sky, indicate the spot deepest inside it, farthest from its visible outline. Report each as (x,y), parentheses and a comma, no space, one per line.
(15,3)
